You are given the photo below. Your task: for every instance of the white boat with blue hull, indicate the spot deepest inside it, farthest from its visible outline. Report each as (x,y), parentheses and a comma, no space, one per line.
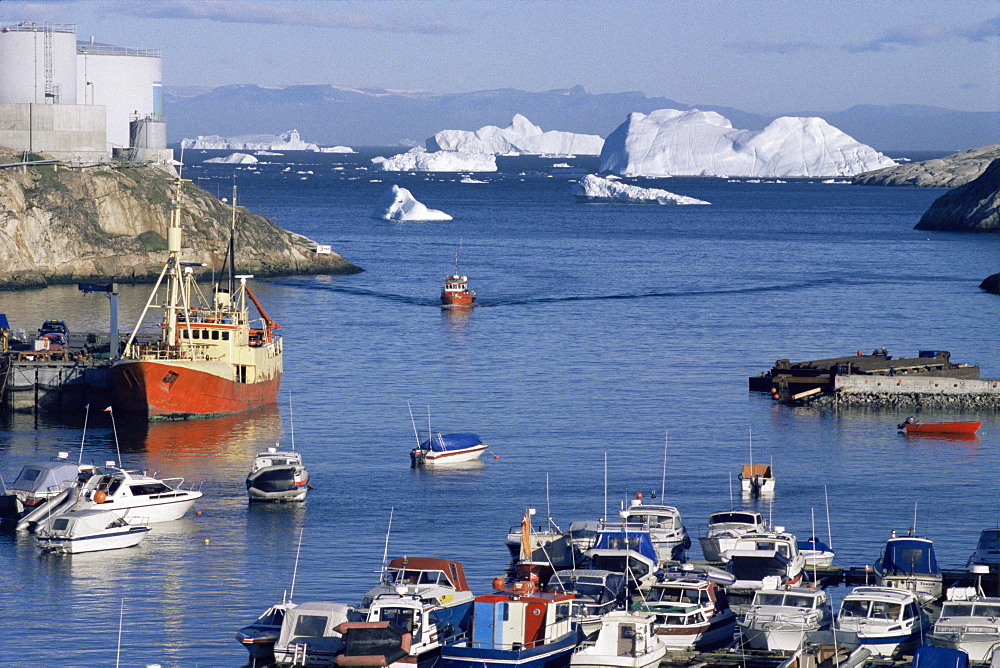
(521,627)
(88,531)
(887,621)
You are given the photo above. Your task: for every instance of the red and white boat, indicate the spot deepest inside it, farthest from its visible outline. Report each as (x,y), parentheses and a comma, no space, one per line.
(210,358)
(911,426)
(456,293)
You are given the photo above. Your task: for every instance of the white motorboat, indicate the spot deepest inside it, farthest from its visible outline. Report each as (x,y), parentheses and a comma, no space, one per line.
(664,525)
(816,553)
(887,621)
(312,629)
(447,449)
(88,531)
(259,637)
(757,480)
(625,640)
(785,619)
(909,562)
(691,613)
(623,550)
(768,553)
(969,622)
(725,528)
(987,550)
(278,475)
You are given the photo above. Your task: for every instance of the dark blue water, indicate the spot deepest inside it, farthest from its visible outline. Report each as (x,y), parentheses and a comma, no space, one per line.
(603,331)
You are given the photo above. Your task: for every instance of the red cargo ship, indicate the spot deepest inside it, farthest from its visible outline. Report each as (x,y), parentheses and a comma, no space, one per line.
(210,358)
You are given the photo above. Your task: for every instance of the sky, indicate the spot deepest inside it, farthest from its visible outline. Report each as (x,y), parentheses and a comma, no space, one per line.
(765,56)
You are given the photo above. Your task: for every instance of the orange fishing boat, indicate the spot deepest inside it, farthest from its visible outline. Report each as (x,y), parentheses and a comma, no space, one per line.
(211,358)
(911,426)
(456,293)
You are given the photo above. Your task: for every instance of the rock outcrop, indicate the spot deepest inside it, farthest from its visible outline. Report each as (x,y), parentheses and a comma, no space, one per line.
(60,225)
(974,207)
(950,171)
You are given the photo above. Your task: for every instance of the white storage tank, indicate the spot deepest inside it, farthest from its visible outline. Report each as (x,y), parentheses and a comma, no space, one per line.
(38,63)
(148,133)
(126,81)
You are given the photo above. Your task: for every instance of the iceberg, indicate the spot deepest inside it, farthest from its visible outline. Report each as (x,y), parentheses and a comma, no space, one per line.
(236,159)
(419,160)
(288,141)
(669,142)
(521,136)
(592,188)
(399,204)
(336,149)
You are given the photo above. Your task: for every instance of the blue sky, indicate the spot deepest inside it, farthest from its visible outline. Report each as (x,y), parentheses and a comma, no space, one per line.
(766,56)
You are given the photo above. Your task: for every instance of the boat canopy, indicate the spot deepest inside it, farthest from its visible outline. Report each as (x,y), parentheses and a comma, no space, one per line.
(754,470)
(313,623)
(909,556)
(451,442)
(637,541)
(940,657)
(45,477)
(81,523)
(736,517)
(813,545)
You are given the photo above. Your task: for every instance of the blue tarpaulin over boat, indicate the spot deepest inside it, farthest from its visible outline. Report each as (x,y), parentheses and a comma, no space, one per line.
(909,555)
(451,442)
(813,544)
(940,657)
(3,321)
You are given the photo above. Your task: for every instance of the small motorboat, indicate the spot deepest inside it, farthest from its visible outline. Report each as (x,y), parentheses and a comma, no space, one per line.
(88,531)
(625,640)
(278,475)
(595,594)
(622,549)
(456,293)
(446,449)
(911,426)
(768,553)
(725,528)
(692,612)
(987,550)
(38,482)
(664,525)
(259,638)
(816,553)
(969,622)
(909,562)
(757,479)
(786,618)
(887,621)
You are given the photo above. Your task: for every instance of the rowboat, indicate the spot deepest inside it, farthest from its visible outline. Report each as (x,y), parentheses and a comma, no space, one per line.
(911,426)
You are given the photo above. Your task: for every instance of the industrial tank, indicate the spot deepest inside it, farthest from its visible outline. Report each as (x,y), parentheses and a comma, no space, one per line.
(126,81)
(38,63)
(148,133)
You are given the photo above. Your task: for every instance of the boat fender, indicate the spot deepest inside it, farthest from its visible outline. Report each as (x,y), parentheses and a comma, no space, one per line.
(100,497)
(498,584)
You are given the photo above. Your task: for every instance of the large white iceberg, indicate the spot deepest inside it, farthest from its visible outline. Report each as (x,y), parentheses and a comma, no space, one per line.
(399,204)
(236,159)
(287,141)
(703,143)
(419,160)
(521,136)
(593,188)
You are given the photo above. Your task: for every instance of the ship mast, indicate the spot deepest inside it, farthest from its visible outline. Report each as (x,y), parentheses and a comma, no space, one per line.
(174,274)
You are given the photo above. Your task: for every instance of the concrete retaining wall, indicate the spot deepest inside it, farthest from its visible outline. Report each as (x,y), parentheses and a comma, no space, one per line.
(64,131)
(917,391)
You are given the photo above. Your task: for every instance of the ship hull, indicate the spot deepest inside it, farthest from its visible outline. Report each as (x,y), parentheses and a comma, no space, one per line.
(174,389)
(458,299)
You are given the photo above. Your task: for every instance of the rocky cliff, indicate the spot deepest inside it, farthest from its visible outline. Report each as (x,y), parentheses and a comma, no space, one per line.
(948,172)
(60,225)
(974,207)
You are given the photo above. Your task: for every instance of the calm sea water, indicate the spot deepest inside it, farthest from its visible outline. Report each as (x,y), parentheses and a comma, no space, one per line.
(604,331)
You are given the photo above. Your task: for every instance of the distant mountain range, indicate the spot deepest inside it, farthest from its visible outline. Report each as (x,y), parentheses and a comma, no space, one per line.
(327,115)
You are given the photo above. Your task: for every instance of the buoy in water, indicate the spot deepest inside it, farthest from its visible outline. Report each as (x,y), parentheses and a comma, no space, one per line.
(205,541)
(197,512)
(496,456)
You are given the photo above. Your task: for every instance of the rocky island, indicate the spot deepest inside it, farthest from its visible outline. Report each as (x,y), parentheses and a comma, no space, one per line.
(62,225)
(948,172)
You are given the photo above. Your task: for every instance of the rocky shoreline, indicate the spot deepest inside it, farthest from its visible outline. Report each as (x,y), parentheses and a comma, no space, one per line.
(973,207)
(109,223)
(948,172)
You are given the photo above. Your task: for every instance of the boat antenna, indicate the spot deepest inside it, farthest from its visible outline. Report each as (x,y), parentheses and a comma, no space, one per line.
(291,418)
(548,506)
(812,517)
(83,438)
(385,550)
(913,529)
(663,479)
(416,435)
(121,617)
(732,504)
(829,531)
(605,518)
(295,568)
(114,429)
(232,243)
(430,435)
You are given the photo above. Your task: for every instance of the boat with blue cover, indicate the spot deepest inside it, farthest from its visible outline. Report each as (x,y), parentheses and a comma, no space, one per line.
(443,449)
(909,562)
(625,549)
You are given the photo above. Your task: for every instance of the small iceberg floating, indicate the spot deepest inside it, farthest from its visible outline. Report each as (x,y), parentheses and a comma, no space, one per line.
(399,204)
(236,159)
(592,188)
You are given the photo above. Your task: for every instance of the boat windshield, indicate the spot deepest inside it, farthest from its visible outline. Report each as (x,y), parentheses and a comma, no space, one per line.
(273,617)
(147,489)
(408,576)
(788,600)
(676,595)
(620,563)
(733,518)
(968,609)
(989,539)
(871,609)
(401,617)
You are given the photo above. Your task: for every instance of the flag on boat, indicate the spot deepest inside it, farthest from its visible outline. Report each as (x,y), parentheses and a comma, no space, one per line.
(108,409)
